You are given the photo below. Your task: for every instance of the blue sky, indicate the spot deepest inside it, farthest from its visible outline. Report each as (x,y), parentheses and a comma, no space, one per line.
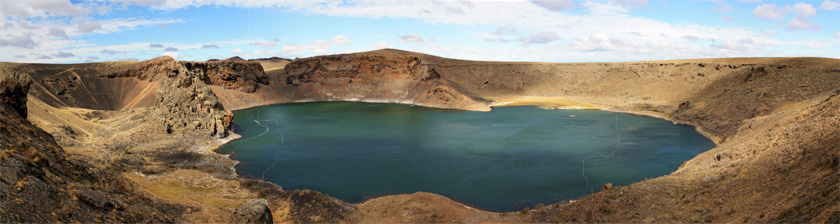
(62,31)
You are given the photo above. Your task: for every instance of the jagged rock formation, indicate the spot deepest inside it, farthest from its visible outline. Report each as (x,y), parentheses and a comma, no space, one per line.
(188,106)
(370,78)
(38,183)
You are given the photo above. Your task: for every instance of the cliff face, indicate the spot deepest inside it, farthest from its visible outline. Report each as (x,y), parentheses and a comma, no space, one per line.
(237,75)
(401,79)
(38,183)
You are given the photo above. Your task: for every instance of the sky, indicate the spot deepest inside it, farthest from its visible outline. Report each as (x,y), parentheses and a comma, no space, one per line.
(70,31)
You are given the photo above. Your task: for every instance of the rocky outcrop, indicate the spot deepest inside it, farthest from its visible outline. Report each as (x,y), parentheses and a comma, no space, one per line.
(253,211)
(370,78)
(188,106)
(39,183)
(13,89)
(236,75)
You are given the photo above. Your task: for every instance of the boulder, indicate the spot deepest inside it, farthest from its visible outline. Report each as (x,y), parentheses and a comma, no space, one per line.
(253,211)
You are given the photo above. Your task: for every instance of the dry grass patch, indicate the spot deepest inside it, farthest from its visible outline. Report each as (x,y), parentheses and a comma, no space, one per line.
(215,198)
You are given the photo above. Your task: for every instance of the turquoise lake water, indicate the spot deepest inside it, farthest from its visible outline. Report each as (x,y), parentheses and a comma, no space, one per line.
(503,160)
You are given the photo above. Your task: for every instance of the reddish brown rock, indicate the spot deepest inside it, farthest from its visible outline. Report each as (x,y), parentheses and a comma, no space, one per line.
(372,78)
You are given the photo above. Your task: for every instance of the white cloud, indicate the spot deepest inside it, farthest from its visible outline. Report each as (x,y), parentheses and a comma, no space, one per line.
(20,41)
(769,32)
(89,26)
(798,23)
(542,37)
(691,38)
(341,40)
(170,49)
(319,47)
(454,11)
(804,10)
(770,11)
(501,34)
(210,46)
(504,31)
(410,38)
(237,51)
(722,6)
(728,18)
(380,45)
(750,1)
(266,44)
(58,32)
(171,54)
(837,34)
(156,45)
(829,5)
(755,41)
(292,50)
(62,54)
(109,52)
(601,42)
(120,24)
(729,46)
(555,5)
(41,8)
(632,3)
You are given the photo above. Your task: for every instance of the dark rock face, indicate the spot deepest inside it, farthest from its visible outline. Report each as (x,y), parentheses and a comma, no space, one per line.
(38,183)
(253,211)
(13,89)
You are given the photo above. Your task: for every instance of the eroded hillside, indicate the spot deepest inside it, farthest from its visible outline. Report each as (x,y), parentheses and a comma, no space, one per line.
(40,183)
